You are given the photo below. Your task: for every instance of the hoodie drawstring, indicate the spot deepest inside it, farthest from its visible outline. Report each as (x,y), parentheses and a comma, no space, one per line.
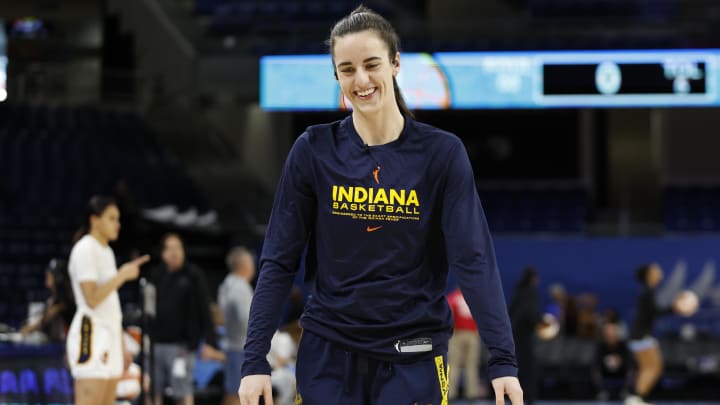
(359,365)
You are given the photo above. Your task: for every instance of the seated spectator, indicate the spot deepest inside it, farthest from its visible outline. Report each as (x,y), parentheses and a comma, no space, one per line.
(611,315)
(559,301)
(587,317)
(59,307)
(611,364)
(281,357)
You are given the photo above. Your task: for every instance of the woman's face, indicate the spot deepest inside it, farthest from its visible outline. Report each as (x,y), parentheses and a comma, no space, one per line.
(365,71)
(173,253)
(49,281)
(611,332)
(654,276)
(108,223)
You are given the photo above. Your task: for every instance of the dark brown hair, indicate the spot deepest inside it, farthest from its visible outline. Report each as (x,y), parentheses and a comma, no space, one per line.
(365,19)
(529,277)
(171,235)
(96,206)
(641,273)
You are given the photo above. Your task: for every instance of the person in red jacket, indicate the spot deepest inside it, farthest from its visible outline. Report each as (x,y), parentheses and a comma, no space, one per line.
(463,349)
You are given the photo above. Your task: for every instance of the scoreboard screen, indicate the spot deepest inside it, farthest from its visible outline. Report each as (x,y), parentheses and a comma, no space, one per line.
(624,78)
(479,80)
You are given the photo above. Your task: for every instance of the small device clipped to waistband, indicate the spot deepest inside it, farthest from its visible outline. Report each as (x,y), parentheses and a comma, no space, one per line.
(416,345)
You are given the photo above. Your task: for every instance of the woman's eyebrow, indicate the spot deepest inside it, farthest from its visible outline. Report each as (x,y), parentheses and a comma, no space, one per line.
(365,61)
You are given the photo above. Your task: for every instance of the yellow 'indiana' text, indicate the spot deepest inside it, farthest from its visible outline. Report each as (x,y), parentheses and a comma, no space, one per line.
(370,195)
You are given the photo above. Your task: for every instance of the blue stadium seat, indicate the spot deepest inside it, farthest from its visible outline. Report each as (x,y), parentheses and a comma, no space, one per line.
(57,381)
(28,383)
(692,209)
(543,209)
(8,383)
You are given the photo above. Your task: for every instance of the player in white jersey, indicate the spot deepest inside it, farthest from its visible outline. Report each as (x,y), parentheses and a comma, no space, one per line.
(95,347)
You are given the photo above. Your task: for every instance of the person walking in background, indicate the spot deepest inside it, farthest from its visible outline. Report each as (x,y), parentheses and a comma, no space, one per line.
(644,346)
(95,346)
(234,298)
(525,317)
(463,349)
(182,322)
(528,325)
(383,207)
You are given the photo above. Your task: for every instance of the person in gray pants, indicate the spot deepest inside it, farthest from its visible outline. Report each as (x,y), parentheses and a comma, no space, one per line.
(234,298)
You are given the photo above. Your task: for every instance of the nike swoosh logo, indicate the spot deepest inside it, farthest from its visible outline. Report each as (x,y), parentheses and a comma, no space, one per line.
(373,228)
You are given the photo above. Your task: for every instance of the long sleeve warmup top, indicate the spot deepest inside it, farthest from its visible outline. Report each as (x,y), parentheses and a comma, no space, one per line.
(381,226)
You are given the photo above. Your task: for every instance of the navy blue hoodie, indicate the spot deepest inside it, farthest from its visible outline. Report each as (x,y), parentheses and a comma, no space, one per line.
(383,225)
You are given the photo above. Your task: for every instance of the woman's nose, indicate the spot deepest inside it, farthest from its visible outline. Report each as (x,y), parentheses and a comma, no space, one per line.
(361,77)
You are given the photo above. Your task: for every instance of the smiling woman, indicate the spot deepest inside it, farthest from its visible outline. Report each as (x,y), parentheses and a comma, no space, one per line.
(366,52)
(383,207)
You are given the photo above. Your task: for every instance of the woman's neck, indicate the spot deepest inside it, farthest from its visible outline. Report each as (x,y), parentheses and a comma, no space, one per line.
(379,128)
(95,234)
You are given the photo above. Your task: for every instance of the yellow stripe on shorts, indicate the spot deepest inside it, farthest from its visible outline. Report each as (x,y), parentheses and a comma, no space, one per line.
(443,375)
(86,336)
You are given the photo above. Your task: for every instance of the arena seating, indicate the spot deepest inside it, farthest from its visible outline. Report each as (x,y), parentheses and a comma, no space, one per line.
(52,159)
(567,364)
(661,10)
(299,27)
(275,16)
(532,210)
(692,208)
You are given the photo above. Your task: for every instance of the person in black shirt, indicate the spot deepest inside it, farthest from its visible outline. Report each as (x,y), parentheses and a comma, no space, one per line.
(525,317)
(611,364)
(644,346)
(182,322)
